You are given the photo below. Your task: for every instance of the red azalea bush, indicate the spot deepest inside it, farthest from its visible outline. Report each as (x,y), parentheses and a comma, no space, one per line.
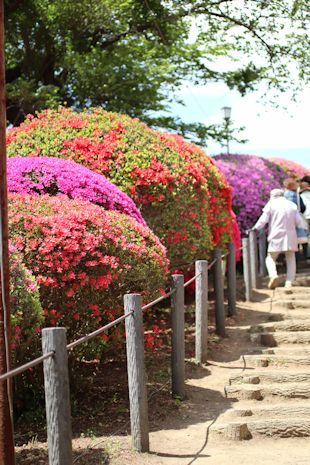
(84,259)
(292,169)
(52,176)
(181,193)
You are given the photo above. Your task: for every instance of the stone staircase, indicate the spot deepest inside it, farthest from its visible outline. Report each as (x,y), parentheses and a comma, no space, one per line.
(272,392)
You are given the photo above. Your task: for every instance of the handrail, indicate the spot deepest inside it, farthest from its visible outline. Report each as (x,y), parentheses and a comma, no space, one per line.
(212,263)
(225,254)
(159,299)
(191,280)
(26,366)
(97,332)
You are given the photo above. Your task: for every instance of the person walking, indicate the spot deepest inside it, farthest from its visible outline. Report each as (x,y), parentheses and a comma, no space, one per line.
(291,192)
(305,196)
(282,218)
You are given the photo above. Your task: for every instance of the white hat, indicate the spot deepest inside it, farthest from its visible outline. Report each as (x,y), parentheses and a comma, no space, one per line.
(276,193)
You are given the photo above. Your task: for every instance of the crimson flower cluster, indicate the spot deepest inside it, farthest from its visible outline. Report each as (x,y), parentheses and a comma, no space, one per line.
(84,258)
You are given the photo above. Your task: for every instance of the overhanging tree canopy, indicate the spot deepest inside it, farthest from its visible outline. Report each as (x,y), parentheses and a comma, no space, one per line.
(129,56)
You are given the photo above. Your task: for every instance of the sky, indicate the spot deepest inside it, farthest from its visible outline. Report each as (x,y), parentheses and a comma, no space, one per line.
(279,132)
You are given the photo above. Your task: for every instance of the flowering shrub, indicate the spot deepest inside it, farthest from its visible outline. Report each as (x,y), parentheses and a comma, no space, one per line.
(292,169)
(182,195)
(84,259)
(53,176)
(26,310)
(252,179)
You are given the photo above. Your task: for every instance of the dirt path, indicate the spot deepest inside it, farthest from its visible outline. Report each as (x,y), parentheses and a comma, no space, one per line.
(249,405)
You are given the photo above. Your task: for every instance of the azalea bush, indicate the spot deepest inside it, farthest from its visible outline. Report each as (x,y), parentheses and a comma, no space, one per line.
(181,193)
(52,176)
(292,169)
(252,178)
(26,315)
(26,311)
(85,259)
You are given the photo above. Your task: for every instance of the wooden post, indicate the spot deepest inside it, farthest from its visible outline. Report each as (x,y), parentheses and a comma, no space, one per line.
(178,342)
(253,259)
(246,269)
(136,373)
(7,455)
(231,279)
(201,342)
(57,397)
(218,280)
(262,252)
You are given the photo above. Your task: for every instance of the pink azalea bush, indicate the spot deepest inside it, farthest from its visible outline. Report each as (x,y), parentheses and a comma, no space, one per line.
(181,193)
(252,178)
(85,259)
(54,176)
(291,168)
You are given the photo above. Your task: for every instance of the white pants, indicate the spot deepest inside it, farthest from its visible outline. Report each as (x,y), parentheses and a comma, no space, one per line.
(290,265)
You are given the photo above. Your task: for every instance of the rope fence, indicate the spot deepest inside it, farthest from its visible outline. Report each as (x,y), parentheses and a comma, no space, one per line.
(26,366)
(191,280)
(55,347)
(98,331)
(156,301)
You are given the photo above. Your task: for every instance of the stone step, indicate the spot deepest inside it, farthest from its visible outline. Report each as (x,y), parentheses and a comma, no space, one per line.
(292,304)
(281,337)
(288,315)
(286,325)
(295,409)
(280,360)
(258,392)
(289,349)
(295,291)
(270,377)
(275,428)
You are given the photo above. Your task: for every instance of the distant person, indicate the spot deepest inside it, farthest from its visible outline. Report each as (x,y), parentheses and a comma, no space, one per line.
(282,218)
(305,196)
(291,192)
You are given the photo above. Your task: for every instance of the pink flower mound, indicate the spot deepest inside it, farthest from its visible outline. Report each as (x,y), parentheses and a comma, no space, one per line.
(52,176)
(252,178)
(293,169)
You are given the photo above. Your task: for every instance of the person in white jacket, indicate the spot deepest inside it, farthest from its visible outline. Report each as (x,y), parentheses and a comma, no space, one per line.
(282,218)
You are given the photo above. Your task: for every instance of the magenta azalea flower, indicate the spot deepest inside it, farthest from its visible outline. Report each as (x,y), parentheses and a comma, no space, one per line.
(252,179)
(53,176)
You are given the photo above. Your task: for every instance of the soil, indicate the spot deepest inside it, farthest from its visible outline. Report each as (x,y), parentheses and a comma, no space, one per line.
(179,430)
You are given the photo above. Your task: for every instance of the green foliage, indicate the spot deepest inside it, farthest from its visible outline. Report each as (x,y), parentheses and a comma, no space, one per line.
(26,320)
(26,310)
(130,56)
